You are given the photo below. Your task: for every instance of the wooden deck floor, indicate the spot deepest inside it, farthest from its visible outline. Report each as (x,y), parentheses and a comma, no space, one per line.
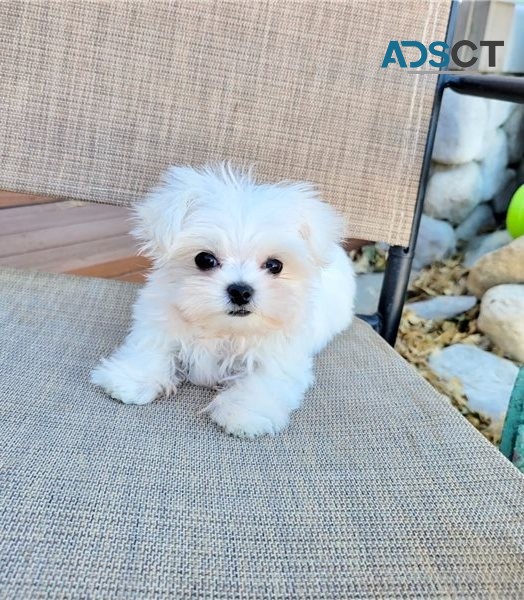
(67,236)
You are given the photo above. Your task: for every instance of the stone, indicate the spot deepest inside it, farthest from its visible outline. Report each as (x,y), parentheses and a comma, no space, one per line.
(436,240)
(520,173)
(369,286)
(368,292)
(483,244)
(493,166)
(481,217)
(442,307)
(460,130)
(452,193)
(502,199)
(505,265)
(487,379)
(514,128)
(498,112)
(501,318)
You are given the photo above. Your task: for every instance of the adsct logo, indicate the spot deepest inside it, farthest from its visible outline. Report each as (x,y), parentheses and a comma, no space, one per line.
(440,52)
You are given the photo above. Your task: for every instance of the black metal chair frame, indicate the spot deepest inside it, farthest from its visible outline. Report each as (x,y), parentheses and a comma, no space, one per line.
(396,277)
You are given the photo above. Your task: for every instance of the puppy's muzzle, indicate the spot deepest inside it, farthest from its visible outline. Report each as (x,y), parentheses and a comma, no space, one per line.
(240,294)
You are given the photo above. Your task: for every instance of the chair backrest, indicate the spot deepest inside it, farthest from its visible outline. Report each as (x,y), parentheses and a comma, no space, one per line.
(98,97)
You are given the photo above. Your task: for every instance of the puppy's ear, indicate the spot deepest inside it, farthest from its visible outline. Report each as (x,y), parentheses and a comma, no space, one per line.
(321,227)
(159,218)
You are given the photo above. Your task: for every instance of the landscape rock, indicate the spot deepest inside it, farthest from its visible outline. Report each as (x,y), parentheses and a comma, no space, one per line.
(369,286)
(368,292)
(480,217)
(505,265)
(502,318)
(452,193)
(460,130)
(436,240)
(498,112)
(483,244)
(487,380)
(493,166)
(514,128)
(442,307)
(503,197)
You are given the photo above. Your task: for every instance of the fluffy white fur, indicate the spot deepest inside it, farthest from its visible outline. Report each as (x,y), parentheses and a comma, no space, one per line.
(261,364)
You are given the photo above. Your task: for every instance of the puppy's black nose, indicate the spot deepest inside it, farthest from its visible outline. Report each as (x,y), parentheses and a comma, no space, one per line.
(240,293)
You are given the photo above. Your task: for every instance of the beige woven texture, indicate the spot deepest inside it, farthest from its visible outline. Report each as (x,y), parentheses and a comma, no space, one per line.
(99,97)
(378,489)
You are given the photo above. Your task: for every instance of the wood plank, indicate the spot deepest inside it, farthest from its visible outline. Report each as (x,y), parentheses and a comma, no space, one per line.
(75,256)
(9,199)
(61,236)
(32,218)
(115,269)
(138,277)
(354,244)
(69,236)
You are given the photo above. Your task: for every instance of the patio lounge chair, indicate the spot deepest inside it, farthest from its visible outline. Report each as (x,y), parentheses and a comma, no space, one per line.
(379,488)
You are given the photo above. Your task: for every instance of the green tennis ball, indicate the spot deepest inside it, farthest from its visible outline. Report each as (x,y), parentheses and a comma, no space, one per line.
(515,216)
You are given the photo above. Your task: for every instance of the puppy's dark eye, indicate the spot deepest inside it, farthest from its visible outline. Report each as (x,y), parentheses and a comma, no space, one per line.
(205,261)
(273,265)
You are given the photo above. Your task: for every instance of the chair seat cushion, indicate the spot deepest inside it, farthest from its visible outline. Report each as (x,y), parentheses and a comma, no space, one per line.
(378,488)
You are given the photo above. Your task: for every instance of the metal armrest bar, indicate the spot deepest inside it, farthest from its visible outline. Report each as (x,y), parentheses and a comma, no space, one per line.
(509,88)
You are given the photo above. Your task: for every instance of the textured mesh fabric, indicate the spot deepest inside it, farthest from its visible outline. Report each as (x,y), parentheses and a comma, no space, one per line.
(99,97)
(378,489)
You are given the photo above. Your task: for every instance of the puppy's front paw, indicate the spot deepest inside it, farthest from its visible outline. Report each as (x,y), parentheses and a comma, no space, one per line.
(242,420)
(121,385)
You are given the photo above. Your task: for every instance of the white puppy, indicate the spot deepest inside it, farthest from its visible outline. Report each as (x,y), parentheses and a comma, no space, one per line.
(249,282)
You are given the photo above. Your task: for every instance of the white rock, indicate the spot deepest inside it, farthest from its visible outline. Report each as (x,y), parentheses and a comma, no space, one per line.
(487,379)
(368,292)
(514,128)
(479,218)
(483,244)
(460,130)
(502,318)
(503,197)
(369,286)
(520,172)
(493,167)
(452,193)
(499,112)
(436,240)
(442,307)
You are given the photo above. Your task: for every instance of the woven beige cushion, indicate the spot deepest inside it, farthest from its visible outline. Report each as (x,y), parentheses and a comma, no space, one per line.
(378,489)
(98,97)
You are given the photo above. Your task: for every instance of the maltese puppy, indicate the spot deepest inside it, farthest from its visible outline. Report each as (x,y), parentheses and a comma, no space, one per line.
(249,282)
